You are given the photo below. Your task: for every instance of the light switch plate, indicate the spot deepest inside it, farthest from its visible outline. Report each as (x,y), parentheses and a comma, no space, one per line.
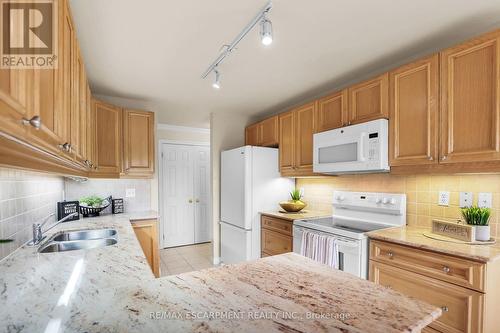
(130,193)
(485,200)
(444,198)
(466,199)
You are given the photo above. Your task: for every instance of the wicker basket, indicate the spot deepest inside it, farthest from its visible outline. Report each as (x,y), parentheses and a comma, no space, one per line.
(94,211)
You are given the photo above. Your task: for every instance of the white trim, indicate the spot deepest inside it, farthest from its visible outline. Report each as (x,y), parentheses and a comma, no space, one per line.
(183,128)
(188,143)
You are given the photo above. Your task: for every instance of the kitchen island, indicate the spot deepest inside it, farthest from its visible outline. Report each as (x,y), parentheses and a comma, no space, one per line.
(54,293)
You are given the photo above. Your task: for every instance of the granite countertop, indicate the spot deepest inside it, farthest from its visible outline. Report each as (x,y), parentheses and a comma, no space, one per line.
(414,236)
(306,214)
(112,289)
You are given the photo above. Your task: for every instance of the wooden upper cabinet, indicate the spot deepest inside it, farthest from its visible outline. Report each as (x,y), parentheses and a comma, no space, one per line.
(252,135)
(332,112)
(138,143)
(14,101)
(264,133)
(304,129)
(414,118)
(470,108)
(269,132)
(108,138)
(287,142)
(369,100)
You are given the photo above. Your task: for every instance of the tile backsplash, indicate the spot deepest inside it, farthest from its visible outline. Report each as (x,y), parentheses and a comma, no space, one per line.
(114,187)
(25,198)
(422,193)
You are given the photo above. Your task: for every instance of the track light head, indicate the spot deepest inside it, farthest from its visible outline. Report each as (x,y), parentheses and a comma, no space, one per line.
(216,84)
(266,31)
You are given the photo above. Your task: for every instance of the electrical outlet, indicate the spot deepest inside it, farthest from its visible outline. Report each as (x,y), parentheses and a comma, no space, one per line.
(130,193)
(466,199)
(485,200)
(444,198)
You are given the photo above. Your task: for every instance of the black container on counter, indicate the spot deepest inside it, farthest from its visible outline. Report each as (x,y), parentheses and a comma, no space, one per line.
(65,208)
(117,206)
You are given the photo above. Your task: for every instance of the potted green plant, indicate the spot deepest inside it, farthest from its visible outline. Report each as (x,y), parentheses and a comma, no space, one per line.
(479,218)
(295,204)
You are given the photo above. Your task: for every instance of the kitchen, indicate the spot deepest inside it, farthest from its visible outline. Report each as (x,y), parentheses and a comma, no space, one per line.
(170,196)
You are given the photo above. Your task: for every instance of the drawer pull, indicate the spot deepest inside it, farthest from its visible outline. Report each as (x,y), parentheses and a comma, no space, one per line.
(445,309)
(390,254)
(446,269)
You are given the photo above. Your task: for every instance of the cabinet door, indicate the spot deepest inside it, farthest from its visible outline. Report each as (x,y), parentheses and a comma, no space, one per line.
(108,124)
(470,101)
(462,307)
(147,235)
(138,141)
(287,142)
(76,107)
(252,135)
(332,112)
(90,129)
(269,132)
(14,101)
(304,130)
(275,243)
(414,119)
(369,100)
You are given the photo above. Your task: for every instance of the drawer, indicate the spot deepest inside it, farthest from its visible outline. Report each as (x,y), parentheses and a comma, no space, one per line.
(275,243)
(447,268)
(279,225)
(462,307)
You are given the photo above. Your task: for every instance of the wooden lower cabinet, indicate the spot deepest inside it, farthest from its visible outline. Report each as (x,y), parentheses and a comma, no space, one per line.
(276,236)
(462,307)
(466,290)
(146,232)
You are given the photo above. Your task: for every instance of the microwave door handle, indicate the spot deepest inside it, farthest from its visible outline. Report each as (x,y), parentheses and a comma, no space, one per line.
(361,151)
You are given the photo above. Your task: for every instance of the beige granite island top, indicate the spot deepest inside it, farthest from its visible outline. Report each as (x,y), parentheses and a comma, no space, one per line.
(306,214)
(284,293)
(414,236)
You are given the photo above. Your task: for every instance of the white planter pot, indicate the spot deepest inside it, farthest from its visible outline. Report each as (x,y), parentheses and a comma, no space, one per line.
(482,232)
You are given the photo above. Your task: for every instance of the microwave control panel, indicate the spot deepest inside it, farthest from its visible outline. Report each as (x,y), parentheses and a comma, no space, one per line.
(373,147)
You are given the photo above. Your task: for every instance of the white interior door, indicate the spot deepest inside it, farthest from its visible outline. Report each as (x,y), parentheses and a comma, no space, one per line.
(202,225)
(177,195)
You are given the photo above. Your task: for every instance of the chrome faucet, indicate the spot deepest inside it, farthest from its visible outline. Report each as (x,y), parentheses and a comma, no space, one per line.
(37,228)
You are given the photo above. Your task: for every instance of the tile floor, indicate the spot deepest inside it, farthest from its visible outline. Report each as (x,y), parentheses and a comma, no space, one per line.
(177,260)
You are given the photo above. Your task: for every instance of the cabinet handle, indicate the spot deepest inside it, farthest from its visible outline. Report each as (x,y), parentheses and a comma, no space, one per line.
(446,269)
(390,254)
(36,122)
(445,308)
(444,158)
(431,158)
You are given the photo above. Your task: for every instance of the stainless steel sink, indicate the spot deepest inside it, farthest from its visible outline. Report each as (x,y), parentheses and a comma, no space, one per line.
(84,235)
(76,245)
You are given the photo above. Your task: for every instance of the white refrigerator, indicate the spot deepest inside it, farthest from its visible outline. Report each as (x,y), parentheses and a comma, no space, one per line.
(250,183)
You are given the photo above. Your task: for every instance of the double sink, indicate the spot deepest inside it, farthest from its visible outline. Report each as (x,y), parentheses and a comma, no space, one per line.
(79,240)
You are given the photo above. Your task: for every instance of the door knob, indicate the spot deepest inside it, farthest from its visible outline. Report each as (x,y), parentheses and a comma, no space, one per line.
(197,200)
(190,200)
(36,122)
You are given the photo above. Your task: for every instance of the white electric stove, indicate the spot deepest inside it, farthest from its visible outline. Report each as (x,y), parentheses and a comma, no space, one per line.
(354,214)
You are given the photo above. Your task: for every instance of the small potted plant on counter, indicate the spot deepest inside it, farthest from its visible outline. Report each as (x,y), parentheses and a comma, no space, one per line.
(479,218)
(295,204)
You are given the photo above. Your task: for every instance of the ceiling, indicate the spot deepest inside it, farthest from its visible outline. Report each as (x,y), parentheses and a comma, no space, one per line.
(156,50)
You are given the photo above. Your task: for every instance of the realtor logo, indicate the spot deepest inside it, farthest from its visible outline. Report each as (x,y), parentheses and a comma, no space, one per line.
(29,34)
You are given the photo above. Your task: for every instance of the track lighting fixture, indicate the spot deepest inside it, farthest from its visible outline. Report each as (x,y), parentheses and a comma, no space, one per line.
(216,83)
(266,37)
(266,31)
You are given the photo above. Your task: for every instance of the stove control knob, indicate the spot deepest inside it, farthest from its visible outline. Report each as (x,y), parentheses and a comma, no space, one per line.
(378,201)
(340,198)
(392,202)
(385,201)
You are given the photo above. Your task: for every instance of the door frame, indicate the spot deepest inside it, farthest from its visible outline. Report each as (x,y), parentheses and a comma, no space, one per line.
(161,175)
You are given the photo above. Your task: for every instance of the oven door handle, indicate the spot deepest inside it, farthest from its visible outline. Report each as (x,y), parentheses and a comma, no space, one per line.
(340,241)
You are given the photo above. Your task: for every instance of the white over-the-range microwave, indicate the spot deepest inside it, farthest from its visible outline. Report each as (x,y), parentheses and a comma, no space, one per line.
(360,148)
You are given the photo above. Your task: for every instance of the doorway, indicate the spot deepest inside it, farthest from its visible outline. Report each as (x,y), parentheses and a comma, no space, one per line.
(184,184)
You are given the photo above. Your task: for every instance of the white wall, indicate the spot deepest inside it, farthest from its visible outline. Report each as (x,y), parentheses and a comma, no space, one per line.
(227,132)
